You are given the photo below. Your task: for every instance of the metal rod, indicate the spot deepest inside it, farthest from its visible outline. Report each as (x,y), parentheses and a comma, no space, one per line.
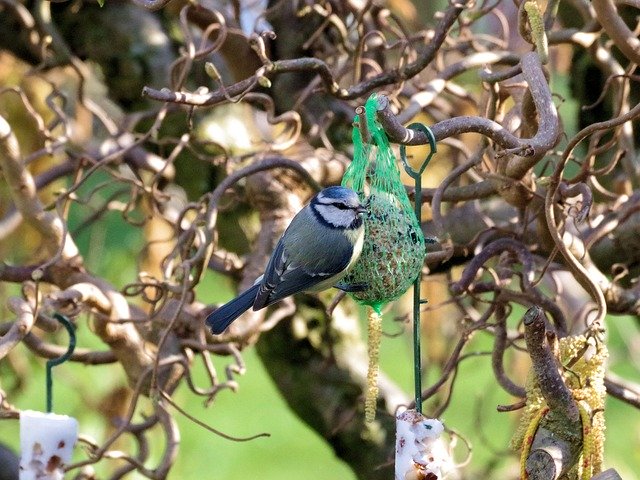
(63,358)
(417,355)
(417,301)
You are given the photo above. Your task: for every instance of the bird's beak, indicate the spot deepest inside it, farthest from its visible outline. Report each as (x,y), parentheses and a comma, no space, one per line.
(364,208)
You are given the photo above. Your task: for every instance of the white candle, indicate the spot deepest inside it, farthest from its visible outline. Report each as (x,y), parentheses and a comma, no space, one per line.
(46,444)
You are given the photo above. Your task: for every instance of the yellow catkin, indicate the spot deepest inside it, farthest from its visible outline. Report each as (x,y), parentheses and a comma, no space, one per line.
(375,334)
(586,460)
(536,22)
(584,359)
(528,439)
(535,403)
(587,386)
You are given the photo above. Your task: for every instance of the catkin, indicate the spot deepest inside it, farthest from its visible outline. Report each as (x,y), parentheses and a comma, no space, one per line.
(373,344)
(585,378)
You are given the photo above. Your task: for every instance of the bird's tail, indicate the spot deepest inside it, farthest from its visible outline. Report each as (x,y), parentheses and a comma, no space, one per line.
(221,318)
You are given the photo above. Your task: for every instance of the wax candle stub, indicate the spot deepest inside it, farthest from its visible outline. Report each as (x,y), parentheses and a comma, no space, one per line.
(421,453)
(46,444)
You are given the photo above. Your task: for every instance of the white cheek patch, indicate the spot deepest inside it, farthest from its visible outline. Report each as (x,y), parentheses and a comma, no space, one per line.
(334,216)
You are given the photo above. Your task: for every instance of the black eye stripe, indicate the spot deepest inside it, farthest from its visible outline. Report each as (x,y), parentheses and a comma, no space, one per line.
(338,205)
(342,206)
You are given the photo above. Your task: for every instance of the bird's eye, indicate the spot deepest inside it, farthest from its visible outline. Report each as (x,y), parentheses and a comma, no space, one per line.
(427,426)
(342,206)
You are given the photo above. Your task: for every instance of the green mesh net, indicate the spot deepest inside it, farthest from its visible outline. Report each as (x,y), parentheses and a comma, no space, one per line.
(394,247)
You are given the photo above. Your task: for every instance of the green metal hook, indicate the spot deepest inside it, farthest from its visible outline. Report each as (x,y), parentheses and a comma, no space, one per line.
(63,358)
(415,174)
(417,301)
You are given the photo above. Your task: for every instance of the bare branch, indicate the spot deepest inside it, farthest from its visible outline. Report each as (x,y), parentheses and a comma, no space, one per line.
(557,442)
(20,328)
(50,226)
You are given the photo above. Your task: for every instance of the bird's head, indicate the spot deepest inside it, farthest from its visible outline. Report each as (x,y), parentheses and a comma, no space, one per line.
(338,207)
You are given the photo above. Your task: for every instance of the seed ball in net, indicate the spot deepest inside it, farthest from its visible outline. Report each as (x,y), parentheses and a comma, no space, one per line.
(392,254)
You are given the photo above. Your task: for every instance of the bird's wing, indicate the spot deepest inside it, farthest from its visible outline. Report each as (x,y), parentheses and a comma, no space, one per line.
(287,273)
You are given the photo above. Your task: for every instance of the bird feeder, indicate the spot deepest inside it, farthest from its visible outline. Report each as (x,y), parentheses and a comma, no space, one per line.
(420,452)
(46,443)
(394,246)
(47,439)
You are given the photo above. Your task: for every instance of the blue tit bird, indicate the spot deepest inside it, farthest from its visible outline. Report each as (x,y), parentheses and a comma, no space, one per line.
(316,251)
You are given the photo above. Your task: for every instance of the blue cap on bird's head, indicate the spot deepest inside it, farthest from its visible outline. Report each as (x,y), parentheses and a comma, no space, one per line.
(343,195)
(338,192)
